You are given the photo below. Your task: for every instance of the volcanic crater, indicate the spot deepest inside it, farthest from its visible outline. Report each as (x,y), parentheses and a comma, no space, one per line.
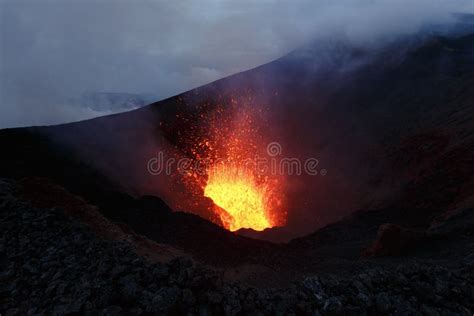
(392,130)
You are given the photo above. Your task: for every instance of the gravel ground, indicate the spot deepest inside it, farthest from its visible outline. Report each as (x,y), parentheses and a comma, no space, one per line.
(53,264)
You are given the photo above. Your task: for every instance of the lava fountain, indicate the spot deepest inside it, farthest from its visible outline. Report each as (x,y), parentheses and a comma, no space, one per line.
(243,201)
(244,195)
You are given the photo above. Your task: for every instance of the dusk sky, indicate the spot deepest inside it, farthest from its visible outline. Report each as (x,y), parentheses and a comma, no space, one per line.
(55,51)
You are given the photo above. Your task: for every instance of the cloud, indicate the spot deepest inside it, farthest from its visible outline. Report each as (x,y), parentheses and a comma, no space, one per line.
(52,50)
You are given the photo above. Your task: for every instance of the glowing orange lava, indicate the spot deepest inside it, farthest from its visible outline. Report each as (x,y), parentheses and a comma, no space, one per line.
(226,140)
(242,199)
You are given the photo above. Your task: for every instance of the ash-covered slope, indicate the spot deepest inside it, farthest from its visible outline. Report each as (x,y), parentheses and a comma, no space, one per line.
(52,264)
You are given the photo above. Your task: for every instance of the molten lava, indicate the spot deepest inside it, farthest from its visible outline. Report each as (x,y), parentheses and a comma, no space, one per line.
(242,199)
(228,139)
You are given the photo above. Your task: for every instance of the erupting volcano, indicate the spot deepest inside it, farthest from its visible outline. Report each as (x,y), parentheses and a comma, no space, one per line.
(243,193)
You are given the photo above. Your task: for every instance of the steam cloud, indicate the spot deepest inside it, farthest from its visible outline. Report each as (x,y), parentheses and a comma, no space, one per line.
(52,50)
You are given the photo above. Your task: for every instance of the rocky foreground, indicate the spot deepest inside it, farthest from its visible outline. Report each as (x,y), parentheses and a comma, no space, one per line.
(53,264)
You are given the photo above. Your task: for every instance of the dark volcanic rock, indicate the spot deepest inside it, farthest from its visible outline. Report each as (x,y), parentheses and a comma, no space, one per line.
(54,264)
(393,240)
